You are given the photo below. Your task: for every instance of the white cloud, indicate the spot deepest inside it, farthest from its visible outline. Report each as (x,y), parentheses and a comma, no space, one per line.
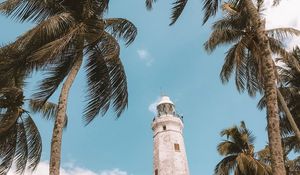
(144,55)
(287,14)
(113,172)
(152,106)
(71,169)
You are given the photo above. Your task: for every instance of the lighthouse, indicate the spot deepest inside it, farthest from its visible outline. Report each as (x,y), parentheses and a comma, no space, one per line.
(169,155)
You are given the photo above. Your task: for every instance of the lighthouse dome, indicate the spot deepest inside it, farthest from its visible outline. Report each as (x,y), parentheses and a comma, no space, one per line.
(165,99)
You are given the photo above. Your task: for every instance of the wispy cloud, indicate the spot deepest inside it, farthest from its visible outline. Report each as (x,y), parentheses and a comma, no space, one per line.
(145,56)
(152,106)
(284,15)
(71,169)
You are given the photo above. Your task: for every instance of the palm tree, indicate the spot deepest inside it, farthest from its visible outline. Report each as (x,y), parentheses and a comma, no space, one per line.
(252,58)
(238,149)
(20,140)
(267,70)
(292,167)
(288,95)
(66,31)
(290,86)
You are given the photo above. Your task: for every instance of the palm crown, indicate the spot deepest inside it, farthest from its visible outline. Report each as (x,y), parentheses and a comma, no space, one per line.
(243,58)
(66,31)
(238,150)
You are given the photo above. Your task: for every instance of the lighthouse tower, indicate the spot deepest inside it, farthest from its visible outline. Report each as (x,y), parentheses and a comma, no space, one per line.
(169,150)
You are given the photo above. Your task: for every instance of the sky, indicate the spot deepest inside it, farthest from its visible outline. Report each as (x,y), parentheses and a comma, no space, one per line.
(162,60)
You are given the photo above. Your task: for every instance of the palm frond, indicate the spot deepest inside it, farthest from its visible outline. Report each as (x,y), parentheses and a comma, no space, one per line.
(56,49)
(283,33)
(45,32)
(56,74)
(106,79)
(21,153)
(221,36)
(241,67)
(7,149)
(292,143)
(94,8)
(30,10)
(47,110)
(149,4)
(235,22)
(226,148)
(119,85)
(226,165)
(210,8)
(121,28)
(99,87)
(34,143)
(178,7)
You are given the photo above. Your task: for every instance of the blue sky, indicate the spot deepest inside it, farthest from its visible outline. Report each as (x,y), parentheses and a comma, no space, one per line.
(163,59)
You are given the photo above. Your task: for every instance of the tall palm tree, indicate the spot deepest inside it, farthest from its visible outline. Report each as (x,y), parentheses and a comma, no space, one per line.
(267,69)
(238,149)
(20,140)
(288,95)
(66,31)
(290,85)
(252,55)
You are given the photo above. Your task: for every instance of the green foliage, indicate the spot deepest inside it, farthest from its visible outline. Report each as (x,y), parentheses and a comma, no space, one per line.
(243,57)
(238,151)
(177,9)
(20,141)
(52,46)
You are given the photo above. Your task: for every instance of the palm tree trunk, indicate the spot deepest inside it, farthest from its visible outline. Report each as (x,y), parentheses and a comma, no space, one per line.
(288,115)
(56,141)
(270,90)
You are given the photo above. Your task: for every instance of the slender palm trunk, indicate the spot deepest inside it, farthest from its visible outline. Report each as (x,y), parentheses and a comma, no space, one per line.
(60,118)
(288,115)
(270,90)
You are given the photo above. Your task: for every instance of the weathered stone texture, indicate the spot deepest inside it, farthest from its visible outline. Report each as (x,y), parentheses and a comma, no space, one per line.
(166,159)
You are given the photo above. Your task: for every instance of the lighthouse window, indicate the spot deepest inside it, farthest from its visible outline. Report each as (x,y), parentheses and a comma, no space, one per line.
(176,147)
(156,172)
(164,127)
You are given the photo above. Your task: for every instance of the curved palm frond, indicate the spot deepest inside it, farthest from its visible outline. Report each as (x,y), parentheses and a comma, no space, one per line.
(283,33)
(60,56)
(226,165)
(30,10)
(221,36)
(7,149)
(45,32)
(34,142)
(47,110)
(106,79)
(56,74)
(121,28)
(210,8)
(177,9)
(226,148)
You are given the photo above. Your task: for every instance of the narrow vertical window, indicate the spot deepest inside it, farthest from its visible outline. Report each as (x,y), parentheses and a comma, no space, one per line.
(176,147)
(156,172)
(164,127)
